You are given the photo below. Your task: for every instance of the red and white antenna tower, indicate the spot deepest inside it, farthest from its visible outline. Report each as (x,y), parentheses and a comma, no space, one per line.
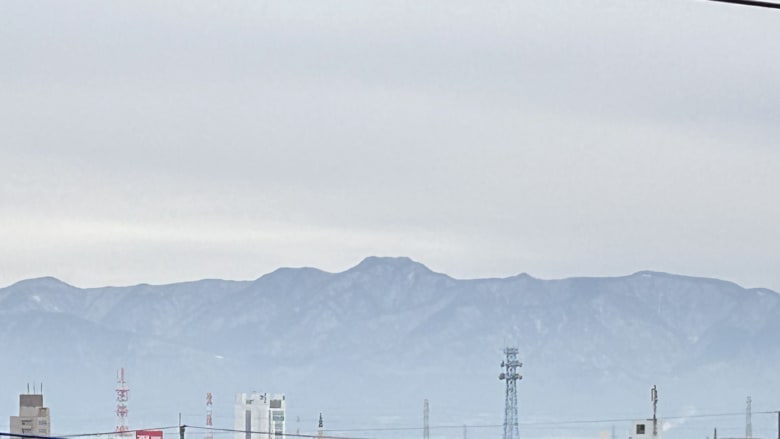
(121,403)
(208,416)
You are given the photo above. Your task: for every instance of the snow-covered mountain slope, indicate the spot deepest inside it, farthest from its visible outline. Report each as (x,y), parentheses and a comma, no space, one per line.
(383,333)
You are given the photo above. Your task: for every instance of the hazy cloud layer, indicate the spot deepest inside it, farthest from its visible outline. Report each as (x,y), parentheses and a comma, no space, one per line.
(147,142)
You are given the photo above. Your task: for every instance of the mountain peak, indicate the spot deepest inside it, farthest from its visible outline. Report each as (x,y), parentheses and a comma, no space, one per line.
(387,262)
(45,282)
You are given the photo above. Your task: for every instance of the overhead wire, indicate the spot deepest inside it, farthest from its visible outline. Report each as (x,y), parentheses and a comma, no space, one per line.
(114,432)
(371,429)
(762,4)
(269,433)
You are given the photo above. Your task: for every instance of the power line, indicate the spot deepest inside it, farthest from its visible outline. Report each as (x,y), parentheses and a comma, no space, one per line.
(231,430)
(761,4)
(27,436)
(107,433)
(549,423)
(437,427)
(111,433)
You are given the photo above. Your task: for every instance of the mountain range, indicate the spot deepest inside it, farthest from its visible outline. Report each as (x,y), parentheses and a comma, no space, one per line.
(367,345)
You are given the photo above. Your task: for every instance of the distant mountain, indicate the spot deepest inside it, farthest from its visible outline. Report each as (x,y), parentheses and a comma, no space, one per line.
(368,344)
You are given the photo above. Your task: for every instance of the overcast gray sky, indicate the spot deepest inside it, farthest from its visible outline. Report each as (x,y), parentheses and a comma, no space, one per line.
(147,141)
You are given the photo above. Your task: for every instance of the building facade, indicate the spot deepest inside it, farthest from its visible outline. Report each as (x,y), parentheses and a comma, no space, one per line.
(33,416)
(259,416)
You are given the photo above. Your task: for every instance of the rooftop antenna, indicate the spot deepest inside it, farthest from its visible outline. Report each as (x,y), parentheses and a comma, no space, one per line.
(654,399)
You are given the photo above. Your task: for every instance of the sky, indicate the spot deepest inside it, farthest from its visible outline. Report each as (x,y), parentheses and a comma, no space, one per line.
(157,142)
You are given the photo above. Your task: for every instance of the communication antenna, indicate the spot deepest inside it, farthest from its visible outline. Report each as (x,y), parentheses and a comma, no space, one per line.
(654,399)
(748,419)
(426,429)
(121,403)
(209,434)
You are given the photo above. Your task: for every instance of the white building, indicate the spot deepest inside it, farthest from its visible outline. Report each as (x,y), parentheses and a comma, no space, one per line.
(646,429)
(259,416)
(33,417)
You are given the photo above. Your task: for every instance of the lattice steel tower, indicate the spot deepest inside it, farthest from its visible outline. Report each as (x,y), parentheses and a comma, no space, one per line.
(510,375)
(209,421)
(121,403)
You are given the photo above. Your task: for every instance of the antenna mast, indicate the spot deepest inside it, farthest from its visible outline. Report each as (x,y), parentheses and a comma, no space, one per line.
(426,430)
(654,399)
(209,434)
(121,403)
(748,419)
(510,375)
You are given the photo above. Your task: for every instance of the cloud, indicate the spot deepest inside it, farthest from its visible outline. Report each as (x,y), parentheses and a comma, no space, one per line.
(557,138)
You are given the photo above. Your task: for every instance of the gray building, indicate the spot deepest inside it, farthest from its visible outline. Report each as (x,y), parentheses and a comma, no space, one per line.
(33,416)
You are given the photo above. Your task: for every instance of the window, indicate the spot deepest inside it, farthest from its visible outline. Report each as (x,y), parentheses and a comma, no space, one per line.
(640,428)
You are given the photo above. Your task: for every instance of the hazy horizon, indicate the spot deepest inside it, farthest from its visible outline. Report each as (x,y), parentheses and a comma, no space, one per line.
(149,142)
(141,282)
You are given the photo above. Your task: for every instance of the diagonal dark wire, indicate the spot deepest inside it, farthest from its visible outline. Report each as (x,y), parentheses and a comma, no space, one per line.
(761,4)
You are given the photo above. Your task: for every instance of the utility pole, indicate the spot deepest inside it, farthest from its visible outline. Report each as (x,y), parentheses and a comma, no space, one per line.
(748,419)
(510,375)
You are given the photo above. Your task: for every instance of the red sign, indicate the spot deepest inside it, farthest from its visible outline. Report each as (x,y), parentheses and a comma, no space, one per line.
(148,434)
